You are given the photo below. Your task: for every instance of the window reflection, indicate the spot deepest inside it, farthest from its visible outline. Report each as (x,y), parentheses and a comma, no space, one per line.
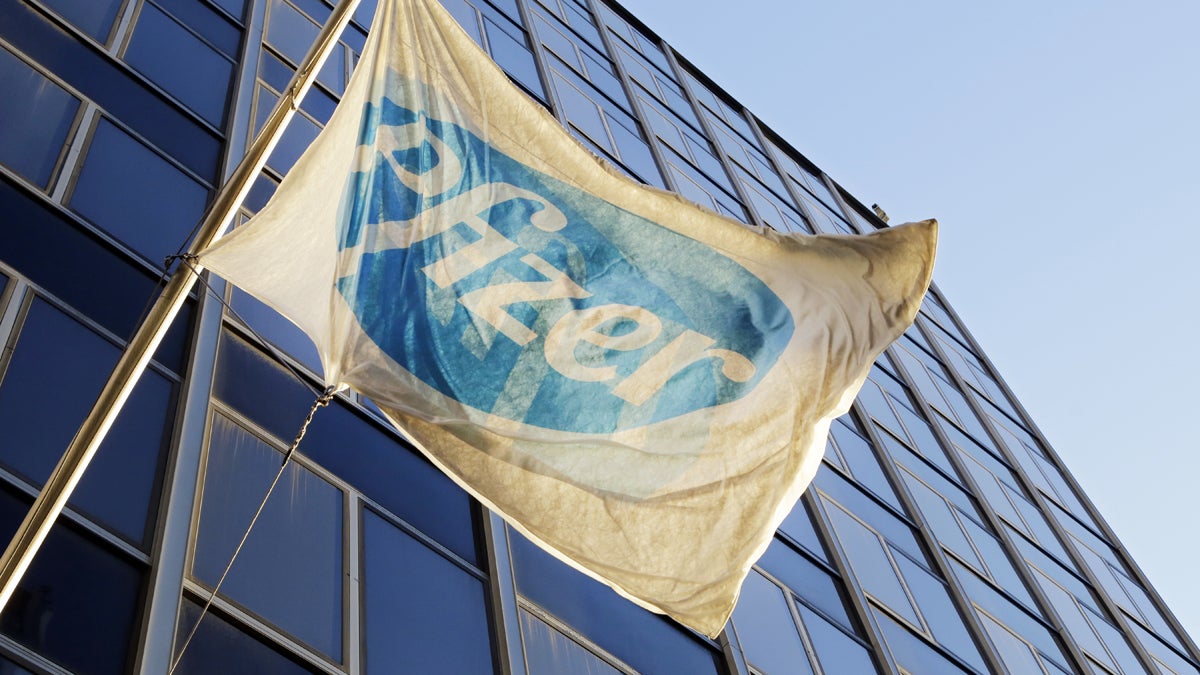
(35,116)
(57,359)
(135,195)
(78,604)
(766,630)
(423,614)
(220,646)
(290,571)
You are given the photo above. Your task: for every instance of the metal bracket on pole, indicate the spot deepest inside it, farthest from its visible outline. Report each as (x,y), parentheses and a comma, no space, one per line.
(145,341)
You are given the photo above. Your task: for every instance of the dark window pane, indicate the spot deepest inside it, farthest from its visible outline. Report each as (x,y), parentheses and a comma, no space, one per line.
(510,49)
(289,31)
(40,242)
(77,604)
(836,651)
(234,7)
(371,460)
(946,624)
(766,629)
(35,116)
(119,92)
(10,668)
(136,195)
(56,372)
(648,642)
(221,647)
(183,65)
(209,24)
(799,526)
(871,562)
(94,17)
(549,652)
(423,613)
(805,579)
(911,652)
(297,543)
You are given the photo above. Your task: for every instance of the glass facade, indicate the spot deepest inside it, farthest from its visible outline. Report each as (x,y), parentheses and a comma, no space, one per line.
(942,535)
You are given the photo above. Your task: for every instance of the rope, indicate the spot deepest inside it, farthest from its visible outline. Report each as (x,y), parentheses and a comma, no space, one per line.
(322,401)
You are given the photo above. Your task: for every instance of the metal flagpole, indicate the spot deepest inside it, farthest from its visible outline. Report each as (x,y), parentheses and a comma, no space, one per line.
(141,347)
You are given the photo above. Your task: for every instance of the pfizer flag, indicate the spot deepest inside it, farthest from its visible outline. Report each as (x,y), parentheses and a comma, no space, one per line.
(640,386)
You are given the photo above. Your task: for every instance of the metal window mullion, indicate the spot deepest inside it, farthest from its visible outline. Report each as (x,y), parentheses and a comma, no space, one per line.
(1181,633)
(706,126)
(181,487)
(82,131)
(1041,501)
(628,86)
(940,564)
(539,60)
(502,591)
(772,150)
(179,496)
(994,522)
(353,608)
(858,600)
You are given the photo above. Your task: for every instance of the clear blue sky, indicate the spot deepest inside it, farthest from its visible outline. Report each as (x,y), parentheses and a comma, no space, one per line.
(1058,145)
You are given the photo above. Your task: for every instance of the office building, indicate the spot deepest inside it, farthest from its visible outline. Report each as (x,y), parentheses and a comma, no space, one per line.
(942,535)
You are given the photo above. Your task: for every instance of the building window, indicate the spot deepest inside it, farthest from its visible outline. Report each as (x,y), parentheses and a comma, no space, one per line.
(35,117)
(290,571)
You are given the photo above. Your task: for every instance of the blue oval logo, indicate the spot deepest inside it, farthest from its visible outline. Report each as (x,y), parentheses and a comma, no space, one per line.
(526,298)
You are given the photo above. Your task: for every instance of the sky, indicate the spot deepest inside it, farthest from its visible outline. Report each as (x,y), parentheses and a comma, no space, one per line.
(1058,145)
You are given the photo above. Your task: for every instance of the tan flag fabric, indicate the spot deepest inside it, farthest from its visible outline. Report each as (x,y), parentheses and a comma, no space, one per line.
(640,386)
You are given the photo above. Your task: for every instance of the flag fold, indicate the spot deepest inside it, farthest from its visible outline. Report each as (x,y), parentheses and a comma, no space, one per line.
(640,386)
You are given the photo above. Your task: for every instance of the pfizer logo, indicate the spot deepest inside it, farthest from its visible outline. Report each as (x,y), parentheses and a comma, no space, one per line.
(528,299)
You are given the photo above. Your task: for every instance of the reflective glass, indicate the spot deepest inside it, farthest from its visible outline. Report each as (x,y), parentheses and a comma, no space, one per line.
(300,133)
(946,624)
(209,24)
(549,652)
(181,63)
(766,630)
(135,195)
(343,442)
(872,565)
(1018,619)
(1018,656)
(886,522)
(10,668)
(121,93)
(78,604)
(422,613)
(94,17)
(35,116)
(1166,656)
(290,570)
(238,7)
(836,651)
(220,646)
(799,526)
(57,369)
(41,242)
(805,579)
(910,652)
(510,48)
(648,642)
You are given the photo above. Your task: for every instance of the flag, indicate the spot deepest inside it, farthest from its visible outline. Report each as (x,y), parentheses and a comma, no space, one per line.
(640,386)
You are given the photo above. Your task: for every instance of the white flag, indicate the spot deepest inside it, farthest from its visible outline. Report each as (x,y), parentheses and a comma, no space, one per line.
(640,386)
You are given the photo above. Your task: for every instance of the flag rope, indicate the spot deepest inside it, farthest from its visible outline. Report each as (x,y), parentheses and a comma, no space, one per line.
(322,401)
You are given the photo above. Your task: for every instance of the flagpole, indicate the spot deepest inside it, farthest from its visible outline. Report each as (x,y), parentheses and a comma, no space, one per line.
(57,490)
